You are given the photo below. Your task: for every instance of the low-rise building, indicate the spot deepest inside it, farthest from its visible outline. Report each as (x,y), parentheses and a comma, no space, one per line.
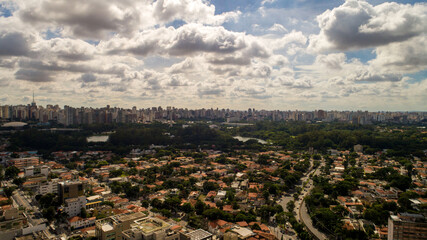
(111,228)
(78,222)
(150,229)
(73,206)
(36,170)
(94,201)
(198,234)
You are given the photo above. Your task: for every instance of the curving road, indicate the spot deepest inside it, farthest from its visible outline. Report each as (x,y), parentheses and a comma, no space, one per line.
(301,208)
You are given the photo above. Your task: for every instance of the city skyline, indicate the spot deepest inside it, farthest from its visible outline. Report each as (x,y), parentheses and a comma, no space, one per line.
(287,55)
(69,115)
(33,102)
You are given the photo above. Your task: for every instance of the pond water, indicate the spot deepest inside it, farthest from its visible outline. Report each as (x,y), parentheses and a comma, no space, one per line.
(244,139)
(99,138)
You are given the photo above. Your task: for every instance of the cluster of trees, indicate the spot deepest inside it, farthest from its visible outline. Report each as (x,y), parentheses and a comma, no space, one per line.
(326,219)
(290,135)
(329,220)
(192,136)
(48,205)
(321,136)
(393,177)
(195,214)
(46,141)
(131,192)
(379,212)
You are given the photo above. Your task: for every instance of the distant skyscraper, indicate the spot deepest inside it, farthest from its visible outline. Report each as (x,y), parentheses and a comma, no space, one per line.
(33,103)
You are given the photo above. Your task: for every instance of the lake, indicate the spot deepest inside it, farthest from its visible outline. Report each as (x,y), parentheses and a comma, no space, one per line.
(99,138)
(244,139)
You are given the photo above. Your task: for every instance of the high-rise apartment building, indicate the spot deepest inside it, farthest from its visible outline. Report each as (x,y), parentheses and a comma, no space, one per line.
(407,226)
(70,190)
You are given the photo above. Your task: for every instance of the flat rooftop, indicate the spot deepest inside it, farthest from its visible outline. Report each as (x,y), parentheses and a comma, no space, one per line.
(107,227)
(129,216)
(199,234)
(150,225)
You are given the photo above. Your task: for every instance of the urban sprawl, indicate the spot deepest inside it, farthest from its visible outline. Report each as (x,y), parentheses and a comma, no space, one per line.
(279,175)
(84,115)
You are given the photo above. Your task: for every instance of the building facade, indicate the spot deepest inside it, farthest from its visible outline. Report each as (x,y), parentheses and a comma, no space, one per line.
(407,226)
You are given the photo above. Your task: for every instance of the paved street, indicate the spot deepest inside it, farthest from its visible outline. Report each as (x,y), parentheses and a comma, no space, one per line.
(309,224)
(278,232)
(301,208)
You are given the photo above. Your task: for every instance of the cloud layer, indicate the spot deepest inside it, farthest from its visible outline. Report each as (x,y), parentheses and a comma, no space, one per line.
(191,53)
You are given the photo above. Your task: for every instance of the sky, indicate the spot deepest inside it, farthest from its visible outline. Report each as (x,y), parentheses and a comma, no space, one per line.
(240,54)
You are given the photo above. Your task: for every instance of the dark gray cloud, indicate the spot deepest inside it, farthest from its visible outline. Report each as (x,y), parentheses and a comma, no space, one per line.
(98,19)
(185,66)
(191,38)
(8,62)
(252,92)
(223,46)
(4,82)
(230,60)
(228,71)
(120,88)
(210,90)
(302,83)
(349,91)
(66,49)
(33,75)
(176,82)
(409,56)
(262,71)
(13,44)
(56,66)
(88,19)
(88,77)
(367,76)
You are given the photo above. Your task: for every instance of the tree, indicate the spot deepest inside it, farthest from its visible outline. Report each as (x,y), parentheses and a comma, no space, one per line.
(404,201)
(256,227)
(263,159)
(401,182)
(200,207)
(109,203)
(133,171)
(132,192)
(116,173)
(290,206)
(156,203)
(48,200)
(19,181)
(166,212)
(49,213)
(9,191)
(11,172)
(326,220)
(212,213)
(83,212)
(209,186)
(230,196)
(131,164)
(172,203)
(187,208)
